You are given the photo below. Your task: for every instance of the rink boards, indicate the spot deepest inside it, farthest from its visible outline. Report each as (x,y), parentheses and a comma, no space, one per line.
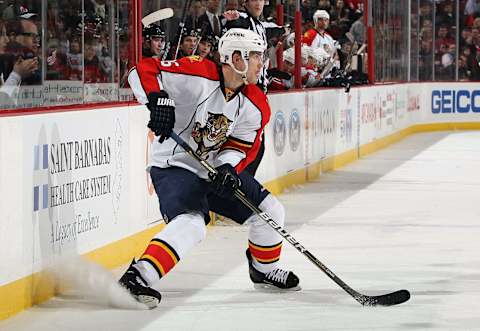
(74,183)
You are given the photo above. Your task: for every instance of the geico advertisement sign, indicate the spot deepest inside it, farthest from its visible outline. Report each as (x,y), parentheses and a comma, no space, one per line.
(455,101)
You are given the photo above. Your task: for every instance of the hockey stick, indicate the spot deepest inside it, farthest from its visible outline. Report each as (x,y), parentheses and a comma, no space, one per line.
(186,7)
(389,299)
(156,16)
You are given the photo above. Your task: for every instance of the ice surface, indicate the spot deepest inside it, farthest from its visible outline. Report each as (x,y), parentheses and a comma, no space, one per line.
(405,217)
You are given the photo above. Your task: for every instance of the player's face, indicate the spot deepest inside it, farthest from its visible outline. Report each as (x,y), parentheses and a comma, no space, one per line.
(255,7)
(188,45)
(89,52)
(204,49)
(289,67)
(29,38)
(323,23)
(255,65)
(156,45)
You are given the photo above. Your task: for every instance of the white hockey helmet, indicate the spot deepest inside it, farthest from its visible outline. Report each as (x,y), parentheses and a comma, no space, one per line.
(307,52)
(289,55)
(243,41)
(289,40)
(320,14)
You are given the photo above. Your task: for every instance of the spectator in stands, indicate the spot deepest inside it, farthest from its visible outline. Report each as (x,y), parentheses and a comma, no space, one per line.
(472,7)
(92,72)
(425,60)
(307,8)
(340,12)
(12,71)
(466,37)
(74,60)
(358,29)
(425,12)
(56,63)
(443,39)
(197,9)
(26,44)
(426,34)
(339,20)
(211,23)
(445,14)
(231,5)
(324,5)
(124,59)
(464,72)
(96,8)
(476,23)
(445,69)
(355,5)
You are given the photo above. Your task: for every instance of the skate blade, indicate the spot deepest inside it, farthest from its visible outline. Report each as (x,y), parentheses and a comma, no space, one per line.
(271,288)
(148,301)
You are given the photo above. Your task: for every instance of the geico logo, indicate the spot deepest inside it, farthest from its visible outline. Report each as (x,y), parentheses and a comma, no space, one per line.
(452,101)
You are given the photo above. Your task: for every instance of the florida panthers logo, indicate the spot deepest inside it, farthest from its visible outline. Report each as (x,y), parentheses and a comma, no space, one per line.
(212,135)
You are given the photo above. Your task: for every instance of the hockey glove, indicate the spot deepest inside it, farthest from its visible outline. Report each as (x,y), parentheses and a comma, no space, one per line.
(226,181)
(162,114)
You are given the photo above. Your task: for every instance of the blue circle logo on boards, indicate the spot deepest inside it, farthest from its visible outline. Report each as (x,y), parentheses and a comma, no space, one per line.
(294,130)
(279,133)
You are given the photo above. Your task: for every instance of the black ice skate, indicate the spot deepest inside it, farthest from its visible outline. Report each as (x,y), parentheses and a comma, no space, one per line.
(134,283)
(277,279)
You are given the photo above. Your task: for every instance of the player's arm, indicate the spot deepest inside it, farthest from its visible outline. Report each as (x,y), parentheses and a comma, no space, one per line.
(146,78)
(146,83)
(233,153)
(241,21)
(308,37)
(243,144)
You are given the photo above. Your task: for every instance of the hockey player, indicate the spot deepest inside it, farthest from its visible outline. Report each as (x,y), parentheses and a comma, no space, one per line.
(307,71)
(206,46)
(153,41)
(250,19)
(188,41)
(221,113)
(318,37)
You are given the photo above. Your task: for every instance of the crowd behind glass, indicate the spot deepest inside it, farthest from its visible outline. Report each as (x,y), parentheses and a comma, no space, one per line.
(61,52)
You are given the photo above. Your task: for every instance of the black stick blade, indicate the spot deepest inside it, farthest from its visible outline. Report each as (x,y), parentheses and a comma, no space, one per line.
(390,299)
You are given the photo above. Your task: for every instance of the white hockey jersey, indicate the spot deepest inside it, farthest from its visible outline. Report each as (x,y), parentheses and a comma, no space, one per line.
(221,127)
(315,40)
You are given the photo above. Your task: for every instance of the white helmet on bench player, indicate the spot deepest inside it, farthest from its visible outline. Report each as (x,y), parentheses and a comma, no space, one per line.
(243,41)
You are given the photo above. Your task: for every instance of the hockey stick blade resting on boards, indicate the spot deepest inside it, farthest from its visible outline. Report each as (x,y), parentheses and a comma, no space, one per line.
(389,299)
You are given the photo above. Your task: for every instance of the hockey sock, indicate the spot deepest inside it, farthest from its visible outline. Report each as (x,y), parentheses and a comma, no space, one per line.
(170,245)
(265,244)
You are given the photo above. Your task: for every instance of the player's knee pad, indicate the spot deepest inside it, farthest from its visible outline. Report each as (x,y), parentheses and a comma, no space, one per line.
(272,206)
(184,232)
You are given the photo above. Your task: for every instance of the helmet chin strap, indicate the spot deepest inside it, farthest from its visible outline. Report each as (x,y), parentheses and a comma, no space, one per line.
(243,73)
